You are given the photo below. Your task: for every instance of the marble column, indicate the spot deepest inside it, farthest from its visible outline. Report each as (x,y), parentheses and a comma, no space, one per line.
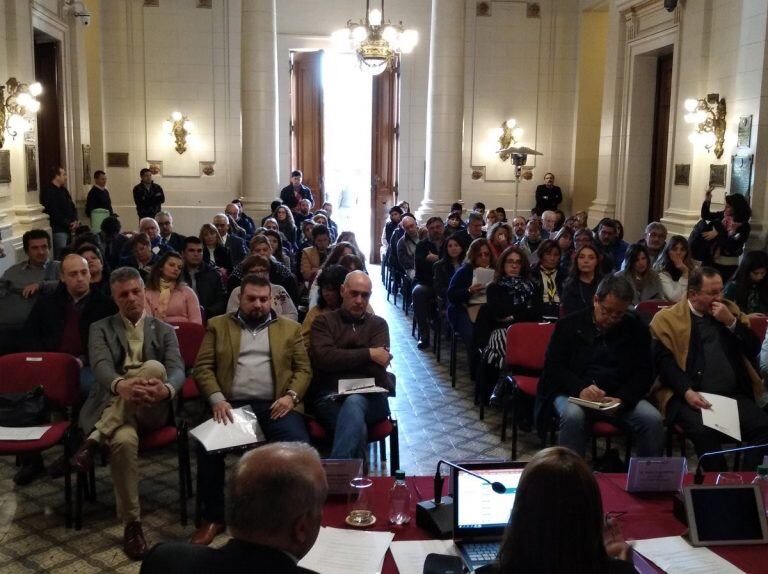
(258,66)
(445,105)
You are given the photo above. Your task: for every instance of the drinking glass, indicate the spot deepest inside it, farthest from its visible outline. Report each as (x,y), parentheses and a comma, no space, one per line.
(359,508)
(728,479)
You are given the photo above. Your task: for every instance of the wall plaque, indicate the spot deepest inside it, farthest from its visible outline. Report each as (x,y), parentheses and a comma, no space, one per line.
(683,174)
(741,175)
(5,166)
(117,159)
(745,131)
(86,164)
(30,155)
(717,173)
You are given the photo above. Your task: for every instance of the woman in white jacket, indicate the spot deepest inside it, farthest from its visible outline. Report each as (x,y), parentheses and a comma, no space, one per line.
(673,266)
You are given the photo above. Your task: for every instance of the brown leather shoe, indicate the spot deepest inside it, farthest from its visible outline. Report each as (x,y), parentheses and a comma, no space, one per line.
(83,459)
(134,543)
(207,532)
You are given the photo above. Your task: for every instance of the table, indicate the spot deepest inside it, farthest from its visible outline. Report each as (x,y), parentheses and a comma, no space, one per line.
(648,516)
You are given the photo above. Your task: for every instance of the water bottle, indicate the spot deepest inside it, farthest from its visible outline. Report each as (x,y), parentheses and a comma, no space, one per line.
(761,480)
(399,500)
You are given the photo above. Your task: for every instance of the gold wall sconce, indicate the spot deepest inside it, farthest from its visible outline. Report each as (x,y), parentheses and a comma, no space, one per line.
(16,101)
(708,115)
(179,126)
(509,135)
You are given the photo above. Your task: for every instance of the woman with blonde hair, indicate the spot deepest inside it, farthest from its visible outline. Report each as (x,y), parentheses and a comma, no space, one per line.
(214,252)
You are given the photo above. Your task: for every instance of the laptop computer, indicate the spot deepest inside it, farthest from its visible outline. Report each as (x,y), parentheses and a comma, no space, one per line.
(480,514)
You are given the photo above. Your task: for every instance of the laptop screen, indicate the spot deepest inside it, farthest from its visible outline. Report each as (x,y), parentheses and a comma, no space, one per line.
(478,509)
(725,515)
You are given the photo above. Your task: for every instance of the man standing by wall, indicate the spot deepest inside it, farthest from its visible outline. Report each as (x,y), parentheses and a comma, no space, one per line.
(58,204)
(147,195)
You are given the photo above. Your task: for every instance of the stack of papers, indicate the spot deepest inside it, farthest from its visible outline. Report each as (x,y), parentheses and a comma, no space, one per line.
(723,415)
(339,551)
(244,431)
(358,386)
(675,556)
(411,555)
(22,433)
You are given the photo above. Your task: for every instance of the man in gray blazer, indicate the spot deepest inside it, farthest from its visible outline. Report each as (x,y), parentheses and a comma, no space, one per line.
(138,370)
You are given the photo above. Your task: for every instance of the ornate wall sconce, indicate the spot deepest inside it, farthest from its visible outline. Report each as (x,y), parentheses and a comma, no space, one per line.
(16,101)
(708,115)
(509,135)
(179,127)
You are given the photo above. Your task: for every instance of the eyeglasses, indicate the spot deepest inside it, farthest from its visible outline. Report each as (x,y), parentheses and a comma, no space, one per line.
(612,313)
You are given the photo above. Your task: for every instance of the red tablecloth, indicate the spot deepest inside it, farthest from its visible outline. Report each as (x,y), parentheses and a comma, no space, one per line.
(645,517)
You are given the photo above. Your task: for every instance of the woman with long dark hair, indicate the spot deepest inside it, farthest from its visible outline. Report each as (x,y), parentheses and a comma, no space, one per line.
(451,257)
(640,274)
(557,522)
(673,265)
(285,223)
(749,286)
(580,285)
(729,233)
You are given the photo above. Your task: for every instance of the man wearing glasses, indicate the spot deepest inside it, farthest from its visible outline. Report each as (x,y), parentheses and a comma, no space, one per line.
(601,354)
(704,344)
(349,343)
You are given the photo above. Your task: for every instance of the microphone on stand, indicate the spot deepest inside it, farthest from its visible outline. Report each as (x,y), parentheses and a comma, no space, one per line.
(436,516)
(698,478)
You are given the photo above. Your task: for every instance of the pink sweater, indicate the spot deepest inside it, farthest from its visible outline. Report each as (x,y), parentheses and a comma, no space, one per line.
(183,306)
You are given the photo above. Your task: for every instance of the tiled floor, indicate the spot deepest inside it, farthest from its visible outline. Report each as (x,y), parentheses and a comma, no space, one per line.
(436,421)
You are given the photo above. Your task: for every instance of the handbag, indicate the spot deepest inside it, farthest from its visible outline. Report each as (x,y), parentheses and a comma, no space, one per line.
(24,409)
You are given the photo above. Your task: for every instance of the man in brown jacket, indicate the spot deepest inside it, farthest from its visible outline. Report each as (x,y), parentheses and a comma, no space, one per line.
(349,343)
(250,357)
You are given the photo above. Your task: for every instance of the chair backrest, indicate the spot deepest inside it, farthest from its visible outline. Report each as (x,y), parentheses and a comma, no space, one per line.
(647,309)
(58,373)
(527,345)
(190,336)
(758,326)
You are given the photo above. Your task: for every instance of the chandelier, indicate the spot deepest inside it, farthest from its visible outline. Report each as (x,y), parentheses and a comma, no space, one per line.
(375,41)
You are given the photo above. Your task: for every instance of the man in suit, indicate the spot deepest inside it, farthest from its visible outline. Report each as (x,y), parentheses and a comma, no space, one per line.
(275,500)
(249,358)
(293,193)
(147,195)
(235,245)
(203,278)
(167,235)
(98,196)
(137,370)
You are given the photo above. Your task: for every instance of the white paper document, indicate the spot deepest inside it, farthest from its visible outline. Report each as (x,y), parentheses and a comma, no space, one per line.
(722,416)
(675,556)
(22,433)
(410,555)
(356,386)
(340,551)
(245,430)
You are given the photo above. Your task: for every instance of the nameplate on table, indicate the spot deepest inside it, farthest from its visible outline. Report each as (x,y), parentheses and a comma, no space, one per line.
(339,472)
(664,474)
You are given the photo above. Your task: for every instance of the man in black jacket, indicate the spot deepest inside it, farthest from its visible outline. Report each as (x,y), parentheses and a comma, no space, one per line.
(98,196)
(427,252)
(601,354)
(473,231)
(61,210)
(147,195)
(296,191)
(274,508)
(59,323)
(235,245)
(203,278)
(167,235)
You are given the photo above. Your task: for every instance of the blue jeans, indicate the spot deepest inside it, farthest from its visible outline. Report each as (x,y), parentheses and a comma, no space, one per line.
(60,240)
(347,420)
(210,466)
(86,381)
(644,421)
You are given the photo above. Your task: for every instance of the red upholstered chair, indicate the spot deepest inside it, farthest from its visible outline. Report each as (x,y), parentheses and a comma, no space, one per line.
(608,431)
(376,433)
(526,348)
(59,374)
(758,325)
(647,309)
(190,336)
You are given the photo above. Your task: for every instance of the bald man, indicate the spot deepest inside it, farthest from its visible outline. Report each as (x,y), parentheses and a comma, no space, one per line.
(60,322)
(350,343)
(275,498)
(235,245)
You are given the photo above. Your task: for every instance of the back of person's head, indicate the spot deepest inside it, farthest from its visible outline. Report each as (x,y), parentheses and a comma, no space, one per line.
(556,523)
(741,210)
(456,206)
(110,226)
(252,261)
(271,490)
(318,230)
(479,206)
(34,234)
(275,204)
(351,262)
(474,216)
(616,285)
(332,277)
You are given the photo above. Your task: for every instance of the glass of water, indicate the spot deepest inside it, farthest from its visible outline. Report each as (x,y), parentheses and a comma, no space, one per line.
(728,479)
(359,508)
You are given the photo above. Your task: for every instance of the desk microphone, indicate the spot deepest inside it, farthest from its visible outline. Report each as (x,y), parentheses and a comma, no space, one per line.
(699,476)
(436,516)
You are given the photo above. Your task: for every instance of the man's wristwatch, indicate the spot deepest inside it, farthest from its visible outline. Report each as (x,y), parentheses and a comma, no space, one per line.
(294,396)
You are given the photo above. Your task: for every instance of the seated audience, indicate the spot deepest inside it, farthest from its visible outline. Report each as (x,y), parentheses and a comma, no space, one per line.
(499,237)
(279,274)
(203,278)
(704,344)
(351,238)
(582,237)
(349,343)
(234,244)
(491,218)
(502,214)
(250,357)
(168,297)
(306,235)
(473,230)
(168,236)
(280,301)
(638,271)
(276,243)
(313,257)
(518,229)
(149,226)
(214,252)
(548,277)
(328,283)
(406,245)
(395,213)
(749,286)
(285,223)
(673,266)
(339,250)
(427,254)
(654,239)
(601,353)
(332,227)
(614,248)
(113,243)
(137,372)
(451,258)
(453,224)
(96,267)
(581,283)
(548,223)
(274,506)
(303,212)
(532,239)
(234,210)
(556,479)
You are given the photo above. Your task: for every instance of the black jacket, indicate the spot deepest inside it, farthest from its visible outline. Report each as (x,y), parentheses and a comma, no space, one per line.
(221,258)
(442,273)
(58,204)
(568,357)
(236,247)
(98,199)
(45,324)
(547,198)
(114,249)
(424,272)
(465,239)
(175,241)
(288,196)
(235,556)
(209,288)
(148,202)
